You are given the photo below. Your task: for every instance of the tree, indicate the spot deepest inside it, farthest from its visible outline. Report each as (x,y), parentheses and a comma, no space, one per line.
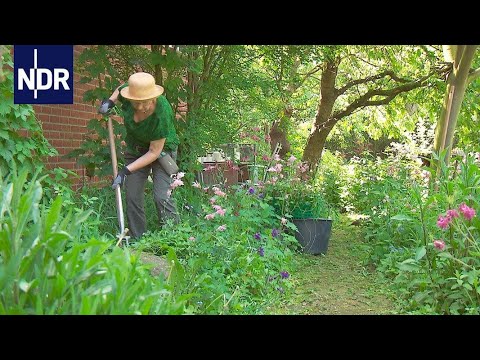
(356,77)
(289,66)
(459,59)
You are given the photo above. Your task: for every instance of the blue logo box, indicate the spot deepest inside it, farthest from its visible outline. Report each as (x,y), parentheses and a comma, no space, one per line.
(43,74)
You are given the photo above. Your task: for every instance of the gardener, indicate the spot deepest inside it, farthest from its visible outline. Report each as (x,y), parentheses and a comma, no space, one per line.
(149,122)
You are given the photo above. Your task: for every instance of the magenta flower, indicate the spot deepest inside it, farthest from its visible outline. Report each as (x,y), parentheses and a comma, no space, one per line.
(439,244)
(443,221)
(467,212)
(452,213)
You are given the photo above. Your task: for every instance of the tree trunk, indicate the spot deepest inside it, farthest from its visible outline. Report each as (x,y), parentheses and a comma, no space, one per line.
(315,144)
(323,121)
(456,85)
(278,133)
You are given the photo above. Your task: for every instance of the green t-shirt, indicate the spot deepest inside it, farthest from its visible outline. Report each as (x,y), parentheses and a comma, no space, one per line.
(159,125)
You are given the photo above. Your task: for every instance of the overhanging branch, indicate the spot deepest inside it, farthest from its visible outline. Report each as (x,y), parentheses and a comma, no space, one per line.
(370,79)
(389,94)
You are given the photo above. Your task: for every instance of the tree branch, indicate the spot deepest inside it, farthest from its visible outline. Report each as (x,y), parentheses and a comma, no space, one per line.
(368,79)
(309,74)
(389,95)
(473,75)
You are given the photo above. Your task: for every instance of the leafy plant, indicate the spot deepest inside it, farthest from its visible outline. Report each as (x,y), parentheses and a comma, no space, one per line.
(46,269)
(21,137)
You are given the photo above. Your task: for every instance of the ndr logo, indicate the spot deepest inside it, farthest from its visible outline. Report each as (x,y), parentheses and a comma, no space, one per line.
(43,74)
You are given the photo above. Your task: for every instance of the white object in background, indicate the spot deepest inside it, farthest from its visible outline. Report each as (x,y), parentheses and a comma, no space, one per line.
(216,156)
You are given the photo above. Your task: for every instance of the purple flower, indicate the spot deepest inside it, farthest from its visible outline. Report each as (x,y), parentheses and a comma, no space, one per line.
(257,236)
(261,252)
(285,274)
(275,232)
(251,190)
(261,195)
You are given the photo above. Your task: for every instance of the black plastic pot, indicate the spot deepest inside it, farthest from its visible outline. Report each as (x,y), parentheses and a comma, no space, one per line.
(313,234)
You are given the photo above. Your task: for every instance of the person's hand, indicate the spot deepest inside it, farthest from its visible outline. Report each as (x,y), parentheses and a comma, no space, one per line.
(106,106)
(121,176)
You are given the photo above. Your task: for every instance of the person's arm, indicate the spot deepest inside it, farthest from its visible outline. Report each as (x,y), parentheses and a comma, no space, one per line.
(150,156)
(114,96)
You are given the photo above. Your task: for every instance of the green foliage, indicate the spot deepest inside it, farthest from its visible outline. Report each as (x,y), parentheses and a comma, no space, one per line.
(94,152)
(233,262)
(292,194)
(21,137)
(46,269)
(423,236)
(333,179)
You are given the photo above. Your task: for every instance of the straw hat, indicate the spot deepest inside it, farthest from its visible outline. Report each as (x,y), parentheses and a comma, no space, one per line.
(141,86)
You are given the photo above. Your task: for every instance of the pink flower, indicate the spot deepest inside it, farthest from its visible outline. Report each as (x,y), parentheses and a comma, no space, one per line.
(197,185)
(443,221)
(222,227)
(284,221)
(176,182)
(467,212)
(439,244)
(452,213)
(291,159)
(220,212)
(191,238)
(209,216)
(220,193)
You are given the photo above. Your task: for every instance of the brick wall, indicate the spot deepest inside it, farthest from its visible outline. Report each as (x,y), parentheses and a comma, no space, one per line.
(65,126)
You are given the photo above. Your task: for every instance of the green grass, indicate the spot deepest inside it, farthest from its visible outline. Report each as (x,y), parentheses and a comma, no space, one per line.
(336,283)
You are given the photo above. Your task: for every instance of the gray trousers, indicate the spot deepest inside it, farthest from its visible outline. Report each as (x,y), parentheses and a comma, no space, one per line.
(135,195)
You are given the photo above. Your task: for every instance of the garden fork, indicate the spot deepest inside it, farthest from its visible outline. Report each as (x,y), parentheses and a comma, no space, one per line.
(122,236)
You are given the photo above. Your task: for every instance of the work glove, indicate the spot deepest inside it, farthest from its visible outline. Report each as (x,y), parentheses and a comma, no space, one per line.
(121,176)
(106,106)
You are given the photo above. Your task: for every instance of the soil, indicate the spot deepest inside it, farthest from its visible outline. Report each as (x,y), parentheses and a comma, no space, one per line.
(160,264)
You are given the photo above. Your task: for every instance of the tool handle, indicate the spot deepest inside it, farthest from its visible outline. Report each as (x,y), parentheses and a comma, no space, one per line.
(113,151)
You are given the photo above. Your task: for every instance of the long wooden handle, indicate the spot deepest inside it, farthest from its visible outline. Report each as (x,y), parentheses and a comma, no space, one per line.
(118,194)
(113,151)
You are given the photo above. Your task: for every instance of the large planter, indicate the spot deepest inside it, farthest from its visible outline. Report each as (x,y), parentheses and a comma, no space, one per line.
(313,234)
